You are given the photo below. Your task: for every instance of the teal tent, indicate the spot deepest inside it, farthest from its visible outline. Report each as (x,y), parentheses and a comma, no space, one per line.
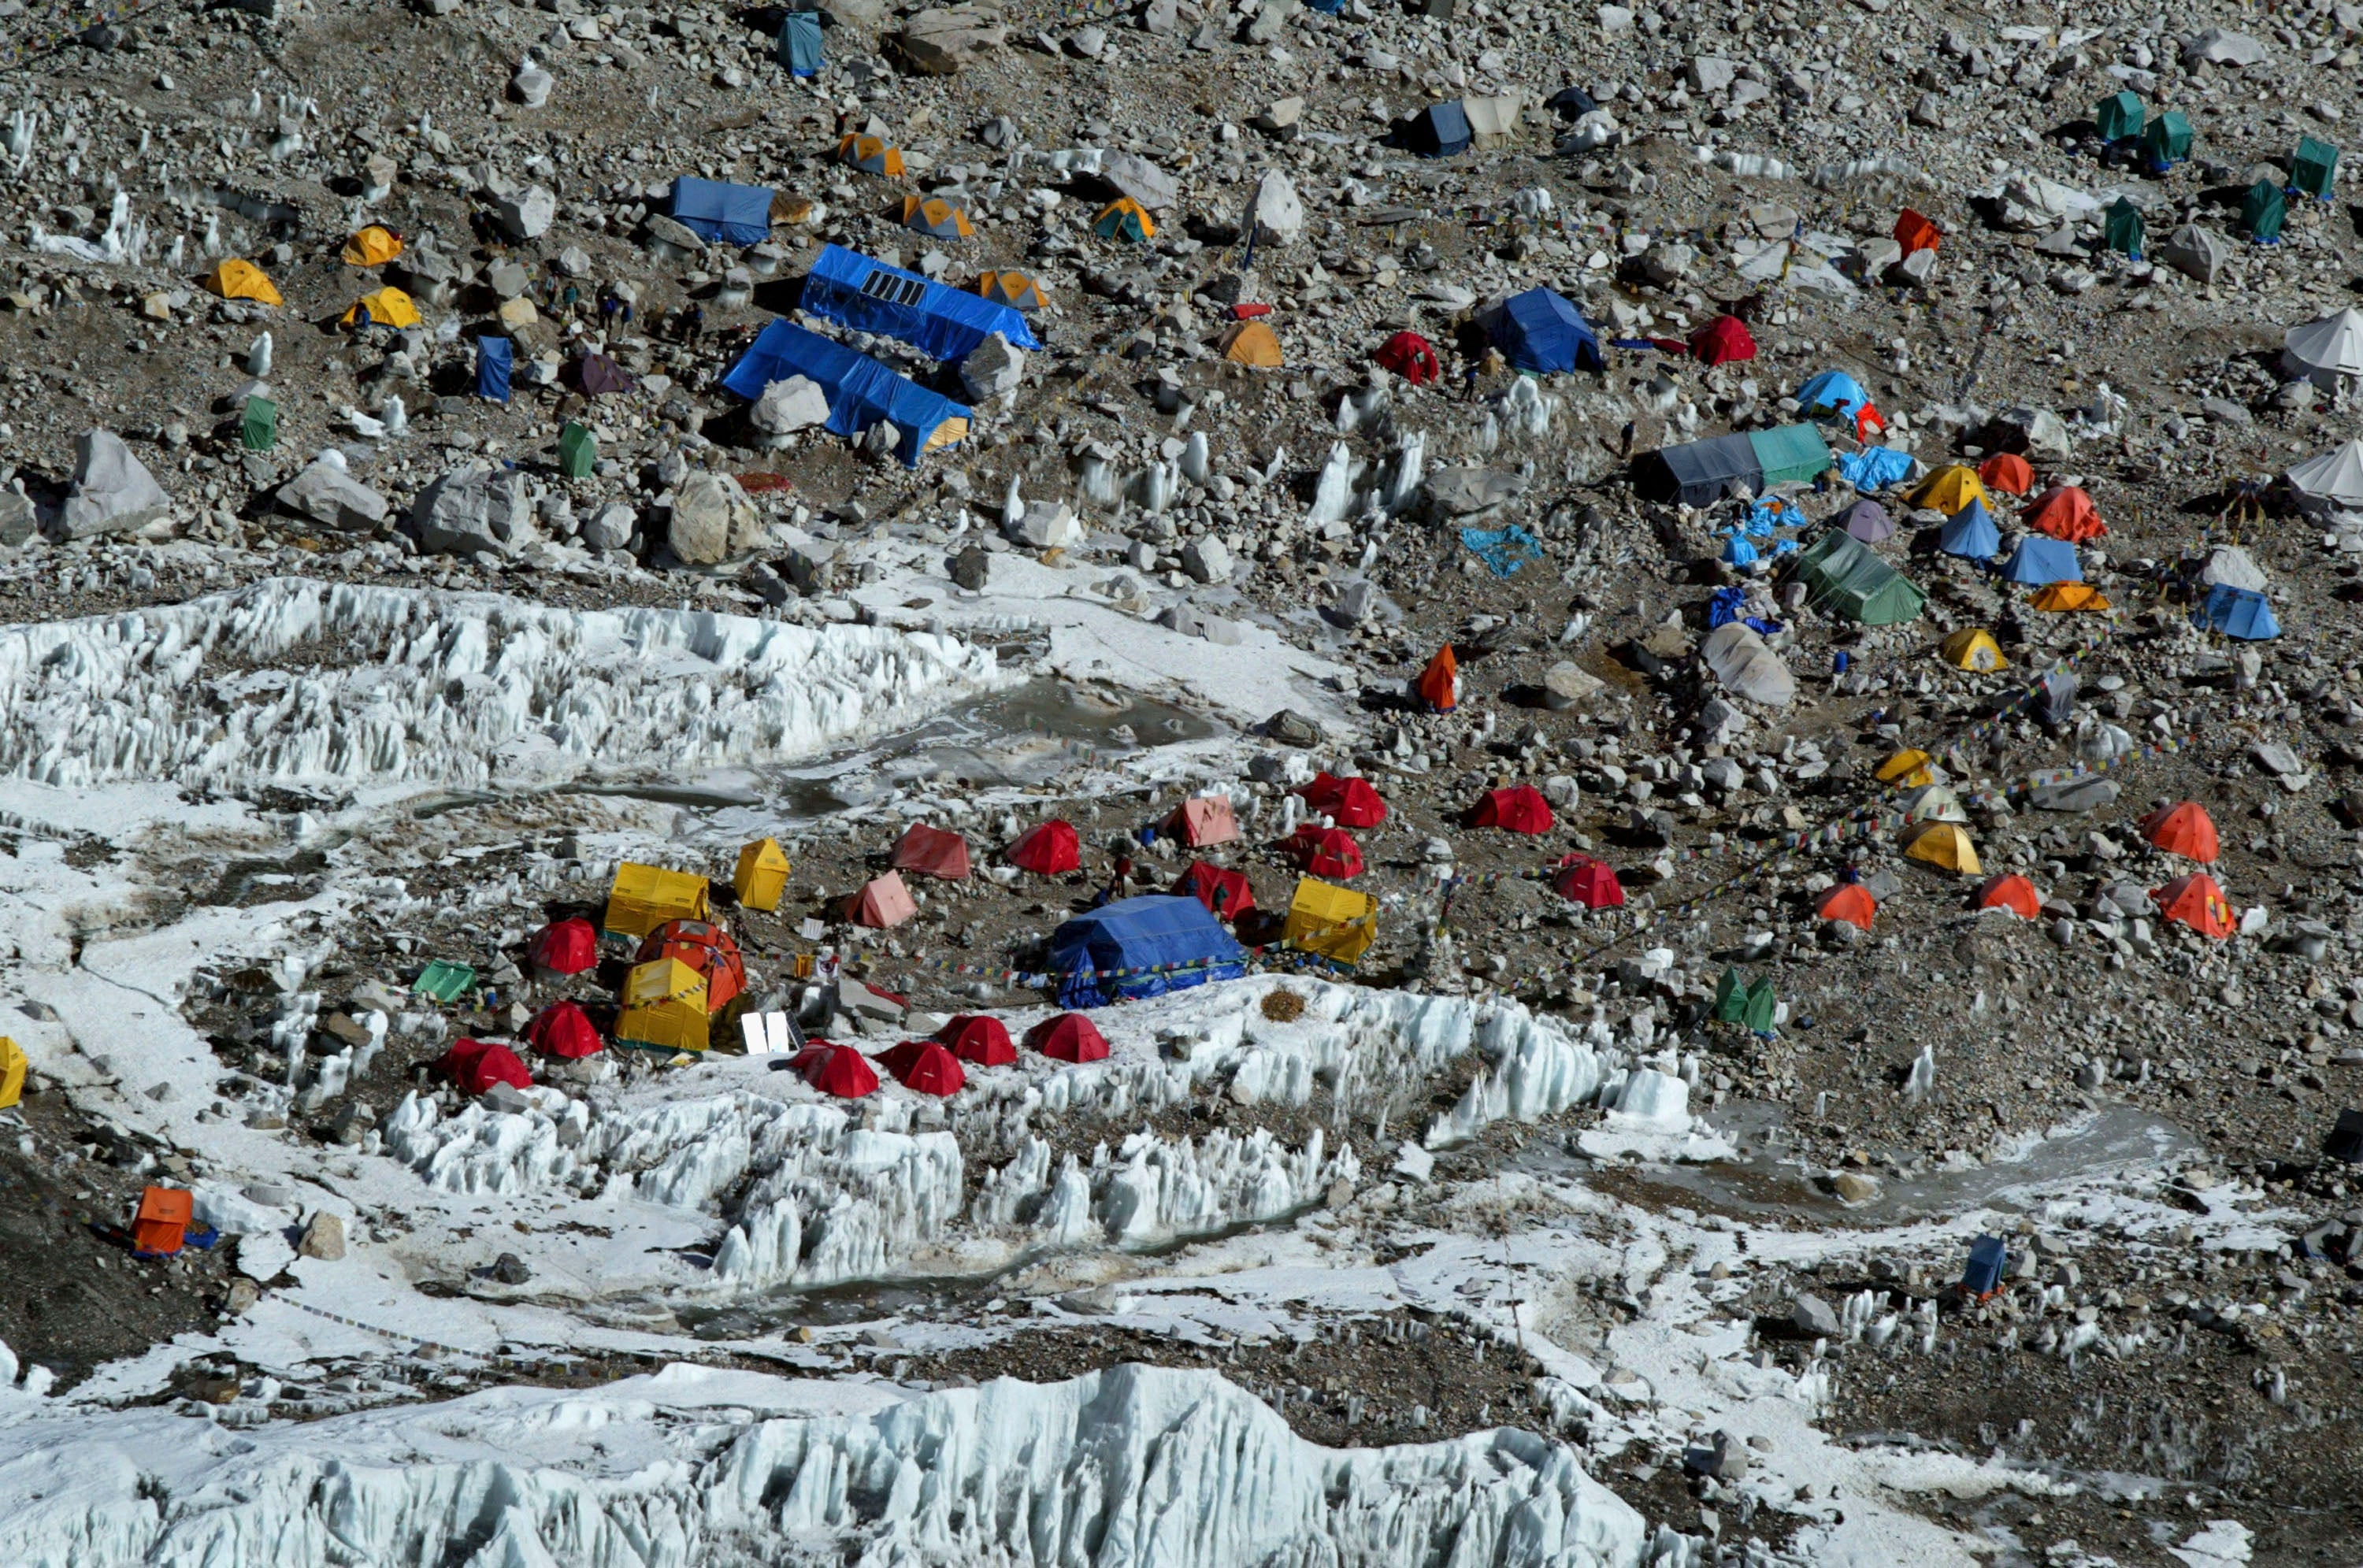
(2261,212)
(2314,168)
(2119,116)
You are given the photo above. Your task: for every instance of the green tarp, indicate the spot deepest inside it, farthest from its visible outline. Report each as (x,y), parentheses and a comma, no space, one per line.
(1845,577)
(1752,1008)
(444,981)
(2119,116)
(577,450)
(1792,452)
(259,428)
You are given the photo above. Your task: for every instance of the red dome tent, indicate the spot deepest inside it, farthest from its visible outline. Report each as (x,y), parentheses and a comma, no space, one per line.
(1070,1037)
(563,1030)
(2184,828)
(1851,902)
(1323,852)
(2196,901)
(2013,893)
(1520,809)
(925,851)
(564,947)
(883,902)
(476,1065)
(1348,803)
(1412,356)
(926,1067)
(1723,340)
(1226,893)
(2065,511)
(1048,849)
(1581,879)
(976,1037)
(837,1070)
(705,948)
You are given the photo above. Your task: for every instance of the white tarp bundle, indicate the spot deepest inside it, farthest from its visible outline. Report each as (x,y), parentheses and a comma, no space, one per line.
(1745,666)
(2326,352)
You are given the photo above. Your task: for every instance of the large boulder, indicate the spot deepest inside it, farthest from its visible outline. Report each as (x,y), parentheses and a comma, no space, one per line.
(941,41)
(1135,176)
(112,491)
(611,528)
(713,520)
(993,368)
(328,495)
(786,407)
(1276,207)
(474,510)
(19,518)
(528,214)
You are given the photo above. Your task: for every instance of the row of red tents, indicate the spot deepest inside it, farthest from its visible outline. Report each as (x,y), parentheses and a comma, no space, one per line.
(934,1066)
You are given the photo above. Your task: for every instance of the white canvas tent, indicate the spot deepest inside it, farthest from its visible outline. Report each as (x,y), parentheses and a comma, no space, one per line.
(2331,483)
(2327,352)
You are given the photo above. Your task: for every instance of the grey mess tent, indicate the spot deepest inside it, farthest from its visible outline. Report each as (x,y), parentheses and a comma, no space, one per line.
(1702,472)
(851,290)
(1845,577)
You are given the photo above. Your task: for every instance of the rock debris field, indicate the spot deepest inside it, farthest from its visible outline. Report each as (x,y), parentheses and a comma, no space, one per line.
(1193,783)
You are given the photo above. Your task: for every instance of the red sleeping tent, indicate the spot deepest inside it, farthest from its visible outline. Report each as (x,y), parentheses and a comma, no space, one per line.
(1722,340)
(2066,512)
(565,948)
(975,1037)
(834,1069)
(1583,881)
(1323,852)
(926,1067)
(1070,1037)
(476,1065)
(2013,893)
(1520,809)
(1051,849)
(563,1029)
(1226,893)
(1348,803)
(926,851)
(1412,356)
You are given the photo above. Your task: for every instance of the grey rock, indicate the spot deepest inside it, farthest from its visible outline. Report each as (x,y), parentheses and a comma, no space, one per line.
(672,234)
(993,368)
(1272,20)
(2221,46)
(2076,795)
(510,1269)
(1567,684)
(611,528)
(328,495)
(112,491)
(1160,17)
(324,1237)
(939,42)
(973,568)
(19,517)
(1046,525)
(1206,559)
(786,407)
(1138,178)
(712,520)
(474,510)
(1276,208)
(1812,1315)
(526,214)
(1460,492)
(2224,411)
(814,569)
(531,85)
(1290,727)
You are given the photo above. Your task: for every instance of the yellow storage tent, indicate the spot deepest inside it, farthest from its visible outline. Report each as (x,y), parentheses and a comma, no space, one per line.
(2060,597)
(12,1073)
(1334,922)
(1947,847)
(1906,769)
(1252,343)
(645,897)
(762,876)
(664,1004)
(372,247)
(235,279)
(388,306)
(1950,488)
(1972,648)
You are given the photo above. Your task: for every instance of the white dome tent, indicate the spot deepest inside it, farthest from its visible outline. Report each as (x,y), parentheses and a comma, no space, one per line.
(2328,352)
(2331,484)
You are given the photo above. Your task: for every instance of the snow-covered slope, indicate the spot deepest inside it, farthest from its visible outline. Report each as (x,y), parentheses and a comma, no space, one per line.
(1126,1468)
(304,681)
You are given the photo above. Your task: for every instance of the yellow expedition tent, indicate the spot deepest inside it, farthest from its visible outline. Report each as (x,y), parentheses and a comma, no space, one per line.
(372,247)
(1335,922)
(762,875)
(1907,769)
(1950,488)
(1252,343)
(235,279)
(388,306)
(1947,847)
(644,897)
(1973,647)
(664,1004)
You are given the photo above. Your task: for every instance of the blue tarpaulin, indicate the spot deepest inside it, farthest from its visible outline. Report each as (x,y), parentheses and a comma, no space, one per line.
(496,357)
(2039,561)
(1504,549)
(724,214)
(1725,607)
(1543,332)
(800,49)
(2237,612)
(1832,391)
(859,390)
(1970,532)
(851,290)
(1156,943)
(1874,468)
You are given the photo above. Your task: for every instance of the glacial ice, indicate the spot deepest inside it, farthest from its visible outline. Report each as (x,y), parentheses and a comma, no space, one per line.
(1127,1468)
(364,685)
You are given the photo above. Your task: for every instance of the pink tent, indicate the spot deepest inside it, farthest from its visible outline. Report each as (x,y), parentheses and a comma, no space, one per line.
(883,902)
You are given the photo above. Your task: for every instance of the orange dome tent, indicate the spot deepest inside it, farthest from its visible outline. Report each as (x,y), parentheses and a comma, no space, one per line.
(1070,1037)
(2196,901)
(1439,683)
(2013,893)
(2058,598)
(2065,511)
(2184,828)
(706,949)
(979,1038)
(926,1067)
(2007,474)
(1851,902)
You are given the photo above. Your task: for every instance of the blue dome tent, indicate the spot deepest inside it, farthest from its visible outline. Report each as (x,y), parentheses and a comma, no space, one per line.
(2040,561)
(1543,332)
(1970,532)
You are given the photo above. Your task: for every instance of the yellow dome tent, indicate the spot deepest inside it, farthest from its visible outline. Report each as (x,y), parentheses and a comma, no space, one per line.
(936,216)
(1019,290)
(1906,771)
(1252,343)
(235,280)
(870,155)
(388,306)
(1973,647)
(762,875)
(12,1072)
(1124,218)
(1335,922)
(372,247)
(1949,489)
(2062,597)
(645,897)
(1947,847)
(664,1004)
